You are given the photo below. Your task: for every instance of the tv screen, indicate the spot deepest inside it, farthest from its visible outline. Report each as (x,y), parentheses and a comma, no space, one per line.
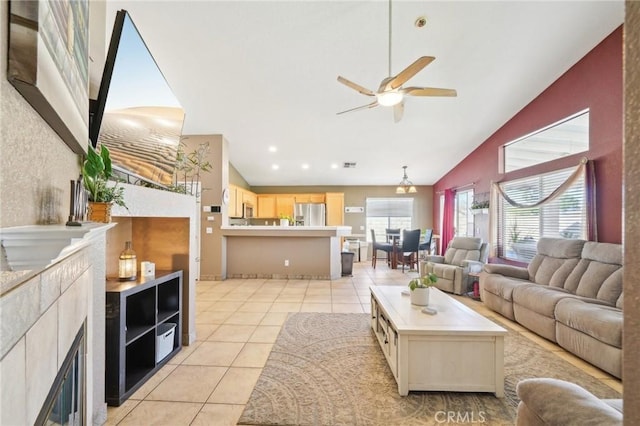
(136,115)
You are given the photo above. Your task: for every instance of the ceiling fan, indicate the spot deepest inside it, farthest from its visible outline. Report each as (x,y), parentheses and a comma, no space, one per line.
(390,92)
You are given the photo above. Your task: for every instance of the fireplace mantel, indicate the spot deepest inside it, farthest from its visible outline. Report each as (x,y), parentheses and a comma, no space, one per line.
(31,249)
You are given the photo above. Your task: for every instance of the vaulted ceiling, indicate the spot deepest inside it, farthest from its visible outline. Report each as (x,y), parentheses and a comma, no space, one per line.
(264,73)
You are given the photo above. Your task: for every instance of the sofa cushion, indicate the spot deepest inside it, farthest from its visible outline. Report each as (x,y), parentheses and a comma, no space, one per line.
(601,322)
(442,270)
(554,261)
(539,298)
(502,286)
(463,248)
(557,402)
(603,252)
(598,275)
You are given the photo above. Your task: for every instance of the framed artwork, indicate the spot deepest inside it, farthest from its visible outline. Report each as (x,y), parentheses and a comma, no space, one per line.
(49,63)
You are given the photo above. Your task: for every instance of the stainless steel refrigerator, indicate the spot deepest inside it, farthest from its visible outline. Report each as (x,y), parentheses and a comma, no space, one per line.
(309,214)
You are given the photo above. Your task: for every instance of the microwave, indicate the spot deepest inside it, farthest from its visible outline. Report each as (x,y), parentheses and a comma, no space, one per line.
(247,210)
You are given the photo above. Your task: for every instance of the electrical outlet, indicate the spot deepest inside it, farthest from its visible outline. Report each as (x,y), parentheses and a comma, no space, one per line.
(209,230)
(286,262)
(361,228)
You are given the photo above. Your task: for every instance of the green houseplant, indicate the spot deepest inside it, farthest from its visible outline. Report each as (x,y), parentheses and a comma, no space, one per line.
(96,172)
(420,289)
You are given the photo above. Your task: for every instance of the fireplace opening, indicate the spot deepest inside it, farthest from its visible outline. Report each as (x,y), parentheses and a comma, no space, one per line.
(65,403)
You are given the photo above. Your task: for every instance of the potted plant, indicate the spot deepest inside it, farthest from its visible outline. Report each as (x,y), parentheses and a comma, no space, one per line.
(420,289)
(285,220)
(478,207)
(96,172)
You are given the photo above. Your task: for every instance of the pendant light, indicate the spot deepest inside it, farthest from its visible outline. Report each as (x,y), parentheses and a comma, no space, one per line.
(406,186)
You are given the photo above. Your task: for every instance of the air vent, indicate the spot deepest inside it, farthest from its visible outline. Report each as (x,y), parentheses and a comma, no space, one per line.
(348,165)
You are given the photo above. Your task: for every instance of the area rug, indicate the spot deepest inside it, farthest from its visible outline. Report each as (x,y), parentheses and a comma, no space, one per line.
(327,369)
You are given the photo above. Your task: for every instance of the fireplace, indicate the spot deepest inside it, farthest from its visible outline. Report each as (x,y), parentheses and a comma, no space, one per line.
(66,402)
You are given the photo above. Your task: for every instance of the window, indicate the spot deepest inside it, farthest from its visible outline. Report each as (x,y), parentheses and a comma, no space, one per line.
(464,224)
(520,226)
(383,213)
(566,137)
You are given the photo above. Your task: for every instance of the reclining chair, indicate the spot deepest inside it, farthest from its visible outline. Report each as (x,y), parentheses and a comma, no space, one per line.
(463,255)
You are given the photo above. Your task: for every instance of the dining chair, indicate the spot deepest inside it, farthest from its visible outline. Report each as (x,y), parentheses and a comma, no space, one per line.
(386,247)
(425,245)
(391,233)
(410,247)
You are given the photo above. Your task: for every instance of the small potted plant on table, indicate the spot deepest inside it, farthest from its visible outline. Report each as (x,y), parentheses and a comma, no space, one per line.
(96,172)
(420,289)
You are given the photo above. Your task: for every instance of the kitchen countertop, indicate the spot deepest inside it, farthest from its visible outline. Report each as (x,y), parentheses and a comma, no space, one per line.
(285,231)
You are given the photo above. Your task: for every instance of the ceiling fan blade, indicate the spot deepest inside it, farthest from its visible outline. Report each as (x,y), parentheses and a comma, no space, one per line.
(428,91)
(398,112)
(408,72)
(355,86)
(371,105)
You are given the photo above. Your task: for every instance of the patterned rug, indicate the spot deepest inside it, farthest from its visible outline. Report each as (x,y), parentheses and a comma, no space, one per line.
(327,369)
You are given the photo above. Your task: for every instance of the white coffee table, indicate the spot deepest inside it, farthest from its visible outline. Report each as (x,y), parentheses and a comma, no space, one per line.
(455,350)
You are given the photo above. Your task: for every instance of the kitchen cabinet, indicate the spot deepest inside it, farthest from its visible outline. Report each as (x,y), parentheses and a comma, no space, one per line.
(249,197)
(309,198)
(284,205)
(237,198)
(335,208)
(266,206)
(233,195)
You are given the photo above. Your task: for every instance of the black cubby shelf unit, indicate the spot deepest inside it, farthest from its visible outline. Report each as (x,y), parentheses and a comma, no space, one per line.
(135,314)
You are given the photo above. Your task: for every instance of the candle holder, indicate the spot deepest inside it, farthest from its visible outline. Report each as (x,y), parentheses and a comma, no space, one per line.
(127,269)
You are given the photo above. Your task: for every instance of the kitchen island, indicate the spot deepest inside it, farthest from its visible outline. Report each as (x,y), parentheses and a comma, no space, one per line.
(283,252)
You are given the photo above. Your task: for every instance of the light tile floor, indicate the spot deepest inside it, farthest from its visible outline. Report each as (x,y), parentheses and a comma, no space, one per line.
(237,322)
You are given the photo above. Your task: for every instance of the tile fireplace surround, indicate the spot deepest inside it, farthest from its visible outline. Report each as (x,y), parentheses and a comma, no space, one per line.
(40,312)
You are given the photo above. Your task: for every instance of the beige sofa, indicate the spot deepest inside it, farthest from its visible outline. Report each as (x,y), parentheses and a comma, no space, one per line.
(463,255)
(556,402)
(570,293)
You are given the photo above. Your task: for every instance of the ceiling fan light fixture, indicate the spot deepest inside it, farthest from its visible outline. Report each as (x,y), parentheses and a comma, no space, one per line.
(389,98)
(405,186)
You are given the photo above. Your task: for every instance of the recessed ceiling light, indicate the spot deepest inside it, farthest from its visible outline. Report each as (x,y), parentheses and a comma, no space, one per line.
(305,166)
(275,167)
(272,149)
(334,166)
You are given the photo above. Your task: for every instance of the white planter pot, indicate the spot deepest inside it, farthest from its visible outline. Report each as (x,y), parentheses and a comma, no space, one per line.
(284,222)
(420,296)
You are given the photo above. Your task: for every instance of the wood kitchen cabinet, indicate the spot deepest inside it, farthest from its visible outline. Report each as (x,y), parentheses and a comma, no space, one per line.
(309,198)
(233,196)
(284,205)
(249,197)
(335,208)
(266,206)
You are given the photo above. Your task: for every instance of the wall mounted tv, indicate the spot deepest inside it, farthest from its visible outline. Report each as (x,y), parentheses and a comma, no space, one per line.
(136,115)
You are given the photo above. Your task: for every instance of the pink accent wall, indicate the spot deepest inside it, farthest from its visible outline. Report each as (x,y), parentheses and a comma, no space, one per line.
(595,82)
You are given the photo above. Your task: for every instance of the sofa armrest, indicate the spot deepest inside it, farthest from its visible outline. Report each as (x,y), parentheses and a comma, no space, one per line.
(507,270)
(434,258)
(556,402)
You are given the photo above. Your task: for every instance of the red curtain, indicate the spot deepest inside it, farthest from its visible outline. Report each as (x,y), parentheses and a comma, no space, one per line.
(448,219)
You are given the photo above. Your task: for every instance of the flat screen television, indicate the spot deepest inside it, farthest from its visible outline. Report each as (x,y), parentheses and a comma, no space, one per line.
(136,114)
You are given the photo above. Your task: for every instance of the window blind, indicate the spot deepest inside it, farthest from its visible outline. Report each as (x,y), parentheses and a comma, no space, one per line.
(389,207)
(519,229)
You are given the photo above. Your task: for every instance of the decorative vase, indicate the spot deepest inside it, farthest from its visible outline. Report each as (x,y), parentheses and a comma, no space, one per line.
(420,296)
(284,222)
(99,212)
